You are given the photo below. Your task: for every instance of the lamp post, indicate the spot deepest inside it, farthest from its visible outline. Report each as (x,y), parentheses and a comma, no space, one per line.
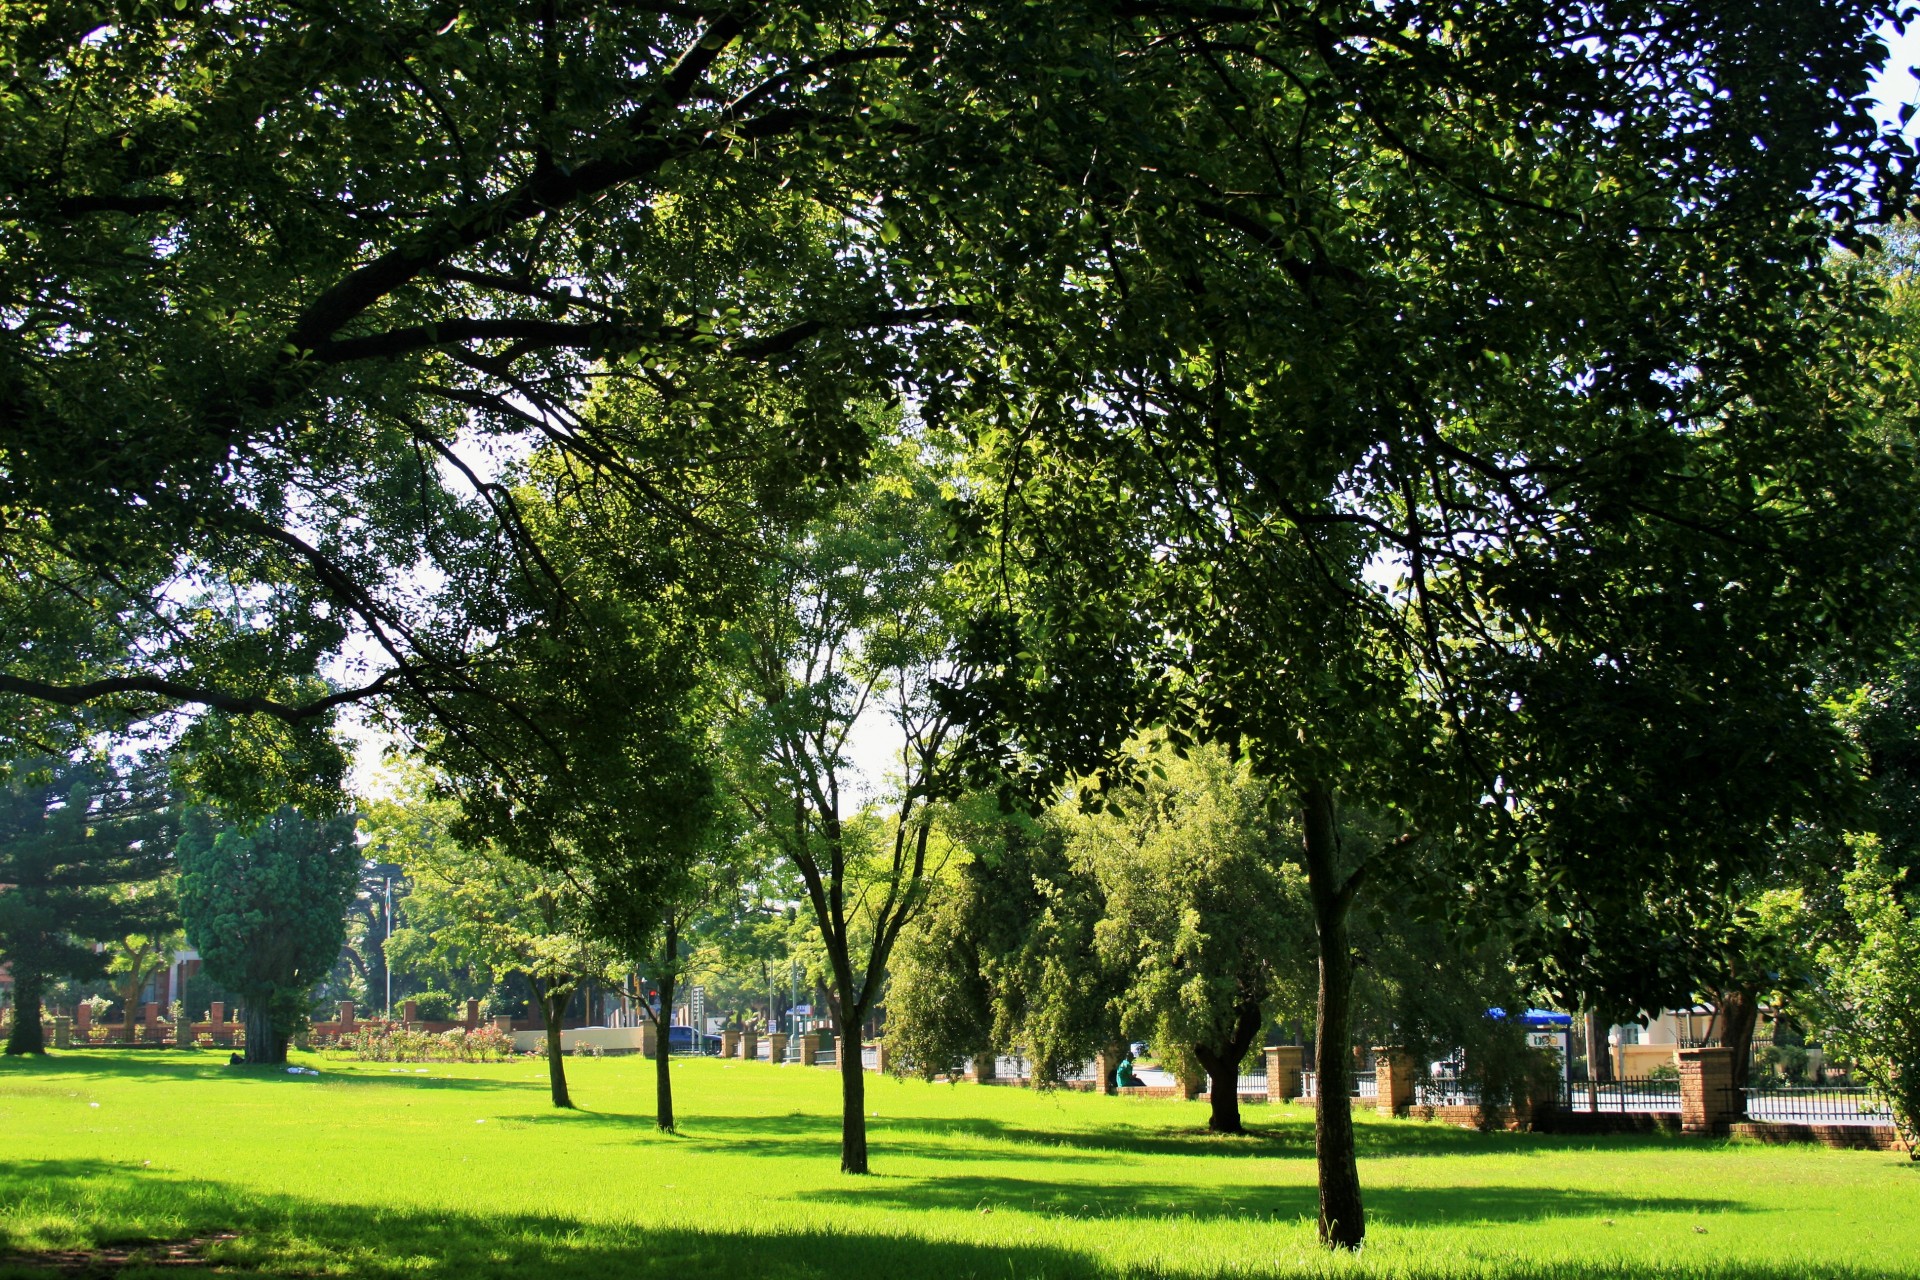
(386,959)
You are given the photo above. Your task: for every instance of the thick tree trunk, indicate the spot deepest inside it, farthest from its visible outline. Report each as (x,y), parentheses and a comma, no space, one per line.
(1735,1018)
(26,1036)
(1599,1052)
(553,1009)
(1225,1099)
(663,1046)
(853,1106)
(265,1045)
(1342,1217)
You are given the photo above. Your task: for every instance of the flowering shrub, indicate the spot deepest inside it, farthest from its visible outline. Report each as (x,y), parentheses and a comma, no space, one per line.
(399,1044)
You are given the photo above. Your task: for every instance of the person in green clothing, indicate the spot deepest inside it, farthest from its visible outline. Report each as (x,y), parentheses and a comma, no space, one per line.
(1123,1075)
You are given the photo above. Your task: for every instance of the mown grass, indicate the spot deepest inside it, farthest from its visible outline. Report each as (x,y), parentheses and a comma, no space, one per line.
(370,1170)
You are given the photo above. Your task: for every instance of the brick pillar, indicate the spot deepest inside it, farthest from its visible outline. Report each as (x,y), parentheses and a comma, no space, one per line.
(777,1046)
(83,1018)
(1393,1081)
(649,1040)
(729,1044)
(346,1016)
(472,1019)
(984,1065)
(881,1060)
(150,1014)
(1193,1084)
(749,1044)
(62,1031)
(216,1019)
(809,1048)
(409,1012)
(1706,1090)
(1283,1071)
(504,1022)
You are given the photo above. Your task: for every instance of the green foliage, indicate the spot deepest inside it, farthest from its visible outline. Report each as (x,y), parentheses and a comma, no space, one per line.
(325,261)
(1203,912)
(1006,958)
(852,633)
(1868,1006)
(265,905)
(83,849)
(479,909)
(136,957)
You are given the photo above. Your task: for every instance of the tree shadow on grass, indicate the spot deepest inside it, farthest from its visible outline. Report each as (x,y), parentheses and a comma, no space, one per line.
(225,1228)
(157,1068)
(1399,1206)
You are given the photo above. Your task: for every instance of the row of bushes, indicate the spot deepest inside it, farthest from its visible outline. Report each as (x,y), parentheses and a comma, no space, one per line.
(398,1044)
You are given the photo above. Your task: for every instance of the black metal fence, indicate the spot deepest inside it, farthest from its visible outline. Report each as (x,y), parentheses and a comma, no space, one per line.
(1786,1104)
(1641,1094)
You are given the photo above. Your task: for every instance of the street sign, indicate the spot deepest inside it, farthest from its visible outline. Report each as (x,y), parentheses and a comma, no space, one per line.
(801,1011)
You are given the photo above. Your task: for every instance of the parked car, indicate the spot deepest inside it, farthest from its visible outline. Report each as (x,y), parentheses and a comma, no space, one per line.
(683,1040)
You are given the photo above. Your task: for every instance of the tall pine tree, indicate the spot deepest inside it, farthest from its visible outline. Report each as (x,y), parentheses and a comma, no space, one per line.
(73,838)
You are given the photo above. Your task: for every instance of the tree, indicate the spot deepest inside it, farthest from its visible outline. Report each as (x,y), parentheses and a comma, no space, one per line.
(1202,914)
(266,907)
(853,628)
(1006,956)
(665,948)
(361,246)
(1455,408)
(83,850)
(477,906)
(598,670)
(136,957)
(1867,1005)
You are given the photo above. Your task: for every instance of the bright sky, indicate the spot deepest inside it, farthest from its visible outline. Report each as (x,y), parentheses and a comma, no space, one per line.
(1896,86)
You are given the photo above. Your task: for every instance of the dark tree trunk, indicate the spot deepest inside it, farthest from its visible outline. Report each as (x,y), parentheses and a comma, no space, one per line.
(553,1008)
(1599,1052)
(1223,1065)
(1342,1217)
(265,1045)
(663,1047)
(1735,1018)
(1225,1098)
(26,1036)
(853,1106)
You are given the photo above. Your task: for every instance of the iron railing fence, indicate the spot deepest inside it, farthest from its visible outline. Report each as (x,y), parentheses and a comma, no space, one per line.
(1446,1089)
(1364,1086)
(1787,1104)
(1646,1094)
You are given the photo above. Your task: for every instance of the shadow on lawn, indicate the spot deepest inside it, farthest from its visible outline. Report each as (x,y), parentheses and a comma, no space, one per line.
(1398,1206)
(1281,1137)
(235,1228)
(175,1066)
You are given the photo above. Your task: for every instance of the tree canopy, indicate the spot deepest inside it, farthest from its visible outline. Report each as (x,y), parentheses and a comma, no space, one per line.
(266,907)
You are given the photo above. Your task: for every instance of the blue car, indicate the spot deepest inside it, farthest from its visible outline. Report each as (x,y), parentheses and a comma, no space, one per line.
(683,1040)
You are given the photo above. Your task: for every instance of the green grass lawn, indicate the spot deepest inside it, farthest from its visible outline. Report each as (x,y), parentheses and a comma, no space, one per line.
(371,1169)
